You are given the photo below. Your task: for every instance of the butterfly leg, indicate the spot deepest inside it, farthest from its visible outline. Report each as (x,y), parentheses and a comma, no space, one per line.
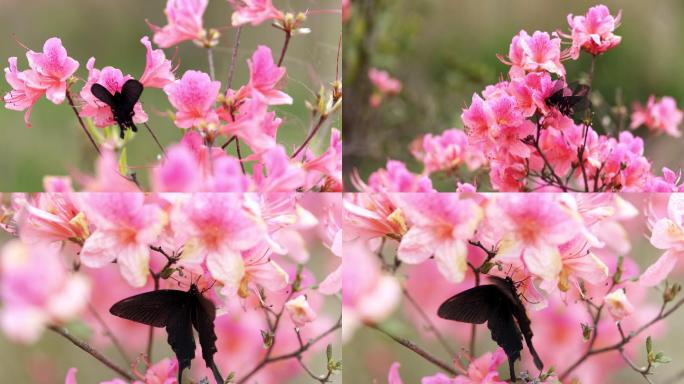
(122,131)
(511,368)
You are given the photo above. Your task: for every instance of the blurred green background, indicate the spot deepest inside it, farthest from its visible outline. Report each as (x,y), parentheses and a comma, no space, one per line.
(111,31)
(443,51)
(368,354)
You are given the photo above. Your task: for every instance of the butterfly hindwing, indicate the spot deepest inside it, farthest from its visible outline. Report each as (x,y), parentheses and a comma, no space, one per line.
(102,94)
(151,308)
(506,334)
(471,306)
(203,317)
(180,337)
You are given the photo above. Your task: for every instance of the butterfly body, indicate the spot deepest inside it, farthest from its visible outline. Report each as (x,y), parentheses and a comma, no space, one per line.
(569,100)
(497,304)
(122,103)
(179,312)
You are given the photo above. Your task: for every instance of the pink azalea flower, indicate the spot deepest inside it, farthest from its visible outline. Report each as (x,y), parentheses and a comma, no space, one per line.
(112,79)
(483,370)
(660,117)
(440,226)
(163,372)
(539,52)
(371,215)
(329,164)
(368,294)
(276,172)
(51,69)
(22,96)
(618,304)
(158,71)
(667,233)
(385,85)
(254,124)
(184,22)
(593,32)
(217,229)
(447,151)
(300,311)
(36,290)
(393,376)
(124,228)
(51,217)
(254,12)
(178,171)
(194,96)
(396,178)
(265,78)
(107,177)
(669,182)
(531,229)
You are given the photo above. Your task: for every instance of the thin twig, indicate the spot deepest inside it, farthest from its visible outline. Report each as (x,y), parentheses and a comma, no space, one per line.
(210,58)
(224,146)
(90,350)
(415,348)
(155,138)
(430,325)
(80,121)
(109,333)
(310,136)
(288,36)
(233,58)
(239,154)
(269,360)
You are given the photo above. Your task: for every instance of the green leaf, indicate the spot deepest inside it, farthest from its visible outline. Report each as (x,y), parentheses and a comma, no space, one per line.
(586,331)
(267,338)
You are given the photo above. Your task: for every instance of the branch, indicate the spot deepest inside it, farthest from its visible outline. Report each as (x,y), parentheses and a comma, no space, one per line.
(430,325)
(80,121)
(624,338)
(269,360)
(415,348)
(310,136)
(233,58)
(288,36)
(90,350)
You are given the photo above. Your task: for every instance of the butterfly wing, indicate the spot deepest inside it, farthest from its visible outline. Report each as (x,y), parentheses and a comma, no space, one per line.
(180,337)
(102,94)
(151,308)
(470,306)
(204,313)
(505,333)
(518,311)
(130,94)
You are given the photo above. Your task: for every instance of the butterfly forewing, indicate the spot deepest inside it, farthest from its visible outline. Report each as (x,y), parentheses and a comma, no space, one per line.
(151,308)
(471,306)
(102,94)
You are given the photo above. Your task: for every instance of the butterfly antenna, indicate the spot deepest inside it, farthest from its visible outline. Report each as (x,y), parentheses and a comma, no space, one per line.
(211,286)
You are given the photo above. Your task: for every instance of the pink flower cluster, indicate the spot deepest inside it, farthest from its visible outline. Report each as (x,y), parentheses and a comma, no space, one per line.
(662,116)
(593,32)
(562,249)
(384,84)
(247,243)
(49,74)
(205,110)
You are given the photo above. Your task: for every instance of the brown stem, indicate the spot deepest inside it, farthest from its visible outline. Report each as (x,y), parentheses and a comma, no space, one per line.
(269,360)
(288,36)
(155,138)
(415,348)
(90,350)
(430,325)
(80,121)
(239,154)
(310,136)
(224,146)
(624,340)
(547,164)
(233,59)
(210,59)
(109,333)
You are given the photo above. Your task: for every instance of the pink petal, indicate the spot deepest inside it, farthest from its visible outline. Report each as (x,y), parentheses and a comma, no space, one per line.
(659,270)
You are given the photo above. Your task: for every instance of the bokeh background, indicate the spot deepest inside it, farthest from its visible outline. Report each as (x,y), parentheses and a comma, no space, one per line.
(443,51)
(47,361)
(368,354)
(111,31)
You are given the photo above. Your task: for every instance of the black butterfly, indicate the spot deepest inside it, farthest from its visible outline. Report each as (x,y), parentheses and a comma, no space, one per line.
(567,100)
(178,311)
(121,103)
(497,304)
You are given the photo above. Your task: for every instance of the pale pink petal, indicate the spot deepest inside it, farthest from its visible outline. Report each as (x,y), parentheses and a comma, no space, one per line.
(393,375)
(659,270)
(228,268)
(417,245)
